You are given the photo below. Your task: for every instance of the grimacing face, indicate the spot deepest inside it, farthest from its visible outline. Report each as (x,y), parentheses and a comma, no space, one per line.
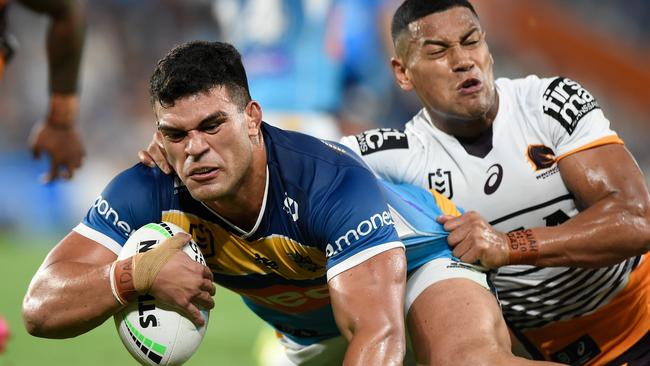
(445,59)
(207,139)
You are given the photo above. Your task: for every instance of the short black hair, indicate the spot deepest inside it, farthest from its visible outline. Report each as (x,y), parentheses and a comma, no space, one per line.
(412,10)
(196,67)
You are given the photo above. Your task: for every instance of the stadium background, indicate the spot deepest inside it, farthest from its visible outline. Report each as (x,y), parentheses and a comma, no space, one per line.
(602,44)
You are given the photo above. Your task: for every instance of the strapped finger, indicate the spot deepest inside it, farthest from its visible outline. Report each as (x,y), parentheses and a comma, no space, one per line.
(177,241)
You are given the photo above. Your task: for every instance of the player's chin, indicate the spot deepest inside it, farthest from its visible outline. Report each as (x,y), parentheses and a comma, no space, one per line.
(205,192)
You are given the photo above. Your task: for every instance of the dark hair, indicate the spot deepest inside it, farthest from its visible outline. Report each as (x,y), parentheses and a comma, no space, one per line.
(412,10)
(196,67)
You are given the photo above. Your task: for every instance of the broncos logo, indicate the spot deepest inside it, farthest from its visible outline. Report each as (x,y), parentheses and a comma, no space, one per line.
(541,157)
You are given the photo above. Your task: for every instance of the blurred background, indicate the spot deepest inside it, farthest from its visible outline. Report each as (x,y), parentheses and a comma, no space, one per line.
(318,66)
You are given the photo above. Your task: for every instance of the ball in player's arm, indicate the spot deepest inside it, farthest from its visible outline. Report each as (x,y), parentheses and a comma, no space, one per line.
(58,134)
(213,136)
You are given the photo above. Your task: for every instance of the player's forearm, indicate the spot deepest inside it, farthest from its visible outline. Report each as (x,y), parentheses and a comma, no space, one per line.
(64,47)
(65,39)
(376,347)
(606,233)
(68,299)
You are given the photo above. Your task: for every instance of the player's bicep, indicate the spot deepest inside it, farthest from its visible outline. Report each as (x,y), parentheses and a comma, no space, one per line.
(370,294)
(596,173)
(78,249)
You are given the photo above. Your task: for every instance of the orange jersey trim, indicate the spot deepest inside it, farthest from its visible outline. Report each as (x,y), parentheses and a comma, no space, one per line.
(614,139)
(615,327)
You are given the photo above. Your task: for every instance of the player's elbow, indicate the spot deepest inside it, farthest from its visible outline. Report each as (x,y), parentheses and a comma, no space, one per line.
(33,318)
(635,218)
(39,321)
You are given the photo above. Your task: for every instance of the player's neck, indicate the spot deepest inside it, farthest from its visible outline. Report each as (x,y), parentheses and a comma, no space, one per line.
(462,127)
(243,207)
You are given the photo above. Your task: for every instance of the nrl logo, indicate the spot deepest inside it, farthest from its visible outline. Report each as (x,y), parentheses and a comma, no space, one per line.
(441,181)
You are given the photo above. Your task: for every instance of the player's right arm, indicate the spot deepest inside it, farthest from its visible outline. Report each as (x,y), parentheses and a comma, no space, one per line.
(71,292)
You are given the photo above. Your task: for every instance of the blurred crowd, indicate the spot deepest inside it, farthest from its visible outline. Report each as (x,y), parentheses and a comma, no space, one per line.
(319,66)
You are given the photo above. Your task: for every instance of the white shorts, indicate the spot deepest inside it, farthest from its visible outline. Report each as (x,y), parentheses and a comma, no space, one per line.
(332,351)
(437,270)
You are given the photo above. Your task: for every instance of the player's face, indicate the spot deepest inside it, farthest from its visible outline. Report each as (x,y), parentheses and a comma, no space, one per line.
(209,142)
(448,63)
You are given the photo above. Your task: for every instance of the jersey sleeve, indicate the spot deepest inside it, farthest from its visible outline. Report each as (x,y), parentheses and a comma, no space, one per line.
(388,152)
(128,202)
(572,116)
(353,221)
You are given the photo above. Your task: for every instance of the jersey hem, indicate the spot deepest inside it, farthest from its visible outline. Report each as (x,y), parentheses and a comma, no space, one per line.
(361,257)
(100,238)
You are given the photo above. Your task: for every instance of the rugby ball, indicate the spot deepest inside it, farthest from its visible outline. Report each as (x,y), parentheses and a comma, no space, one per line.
(153,333)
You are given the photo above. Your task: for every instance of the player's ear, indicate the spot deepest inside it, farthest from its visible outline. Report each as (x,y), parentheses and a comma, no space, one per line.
(401,73)
(253,112)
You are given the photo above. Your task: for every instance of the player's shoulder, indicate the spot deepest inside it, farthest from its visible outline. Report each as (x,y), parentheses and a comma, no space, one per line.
(311,165)
(142,175)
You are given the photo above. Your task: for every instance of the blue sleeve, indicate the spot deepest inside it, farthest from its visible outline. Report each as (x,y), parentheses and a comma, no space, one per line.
(132,199)
(353,216)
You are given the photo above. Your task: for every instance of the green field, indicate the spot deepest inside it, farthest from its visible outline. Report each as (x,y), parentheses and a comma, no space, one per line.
(230,340)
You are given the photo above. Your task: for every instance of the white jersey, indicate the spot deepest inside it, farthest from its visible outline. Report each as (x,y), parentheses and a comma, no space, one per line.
(515,185)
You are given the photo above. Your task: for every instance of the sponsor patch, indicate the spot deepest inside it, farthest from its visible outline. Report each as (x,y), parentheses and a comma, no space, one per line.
(567,102)
(381,139)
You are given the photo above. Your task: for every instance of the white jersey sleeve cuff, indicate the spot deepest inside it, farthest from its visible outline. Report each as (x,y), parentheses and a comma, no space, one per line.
(360,258)
(95,235)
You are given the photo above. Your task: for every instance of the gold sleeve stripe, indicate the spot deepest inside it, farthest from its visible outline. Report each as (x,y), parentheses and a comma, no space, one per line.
(446,206)
(614,139)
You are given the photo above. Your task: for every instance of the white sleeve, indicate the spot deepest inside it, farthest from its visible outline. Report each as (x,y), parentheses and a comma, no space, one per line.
(571,116)
(388,152)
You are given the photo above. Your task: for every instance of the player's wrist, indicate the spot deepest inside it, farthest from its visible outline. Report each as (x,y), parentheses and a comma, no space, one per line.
(121,277)
(523,247)
(63,111)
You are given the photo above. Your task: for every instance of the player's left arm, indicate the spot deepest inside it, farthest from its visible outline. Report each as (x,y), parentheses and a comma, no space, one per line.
(368,303)
(366,266)
(58,135)
(613,225)
(614,222)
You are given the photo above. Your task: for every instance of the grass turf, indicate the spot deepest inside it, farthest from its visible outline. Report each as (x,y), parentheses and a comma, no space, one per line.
(230,340)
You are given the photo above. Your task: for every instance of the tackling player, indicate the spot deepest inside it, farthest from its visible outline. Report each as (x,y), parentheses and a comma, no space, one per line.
(298,226)
(561,206)
(58,135)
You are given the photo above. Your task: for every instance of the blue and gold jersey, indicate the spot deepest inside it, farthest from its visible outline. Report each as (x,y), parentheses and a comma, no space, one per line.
(323,212)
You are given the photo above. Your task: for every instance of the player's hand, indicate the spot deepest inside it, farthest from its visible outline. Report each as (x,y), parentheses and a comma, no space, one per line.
(59,138)
(183,283)
(474,240)
(154,155)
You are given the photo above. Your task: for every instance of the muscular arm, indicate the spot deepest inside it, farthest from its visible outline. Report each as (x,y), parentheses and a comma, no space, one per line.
(614,222)
(70,294)
(368,304)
